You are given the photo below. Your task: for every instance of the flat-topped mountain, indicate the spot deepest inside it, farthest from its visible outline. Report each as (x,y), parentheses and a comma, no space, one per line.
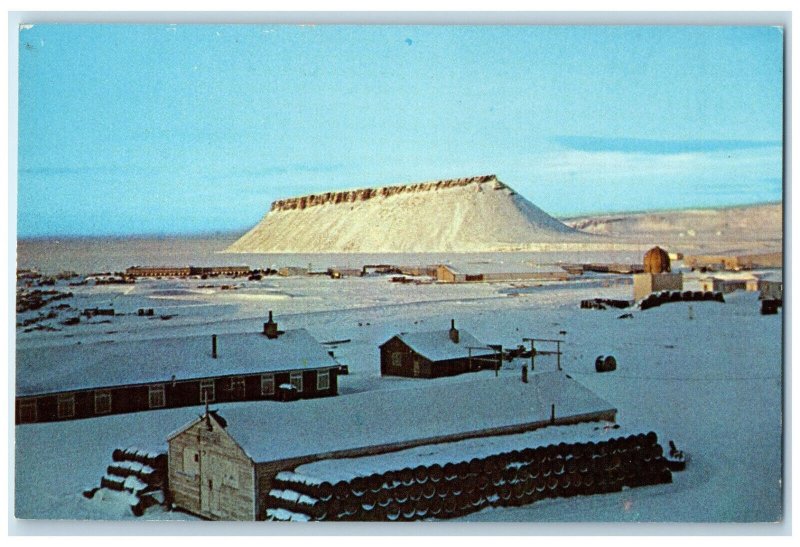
(459,215)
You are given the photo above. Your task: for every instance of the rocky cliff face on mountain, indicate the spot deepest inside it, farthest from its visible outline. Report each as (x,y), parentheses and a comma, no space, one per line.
(460,215)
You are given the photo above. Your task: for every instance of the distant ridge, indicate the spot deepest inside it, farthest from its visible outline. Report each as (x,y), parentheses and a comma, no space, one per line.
(472,214)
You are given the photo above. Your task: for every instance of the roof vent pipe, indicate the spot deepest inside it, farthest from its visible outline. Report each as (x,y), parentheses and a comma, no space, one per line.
(271,327)
(453,331)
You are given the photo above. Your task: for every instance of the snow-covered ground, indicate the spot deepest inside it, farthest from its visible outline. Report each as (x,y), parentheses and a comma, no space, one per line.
(705,374)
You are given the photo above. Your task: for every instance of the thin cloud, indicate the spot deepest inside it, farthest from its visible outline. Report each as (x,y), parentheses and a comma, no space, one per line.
(658,146)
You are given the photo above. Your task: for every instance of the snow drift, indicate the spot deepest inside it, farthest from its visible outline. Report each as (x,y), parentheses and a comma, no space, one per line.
(463,215)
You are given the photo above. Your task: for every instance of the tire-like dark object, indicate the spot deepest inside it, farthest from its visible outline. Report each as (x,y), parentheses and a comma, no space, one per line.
(435,473)
(341,490)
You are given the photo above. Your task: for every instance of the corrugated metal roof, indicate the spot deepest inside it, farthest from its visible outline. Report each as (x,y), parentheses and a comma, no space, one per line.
(87,366)
(437,346)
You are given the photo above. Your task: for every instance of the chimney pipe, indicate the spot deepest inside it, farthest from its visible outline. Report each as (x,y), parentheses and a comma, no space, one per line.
(271,327)
(524,374)
(453,331)
(213,346)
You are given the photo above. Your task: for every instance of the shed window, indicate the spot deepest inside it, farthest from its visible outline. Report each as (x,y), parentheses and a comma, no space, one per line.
(28,411)
(206,391)
(237,388)
(296,379)
(156,397)
(323,381)
(397,359)
(102,402)
(267,384)
(66,406)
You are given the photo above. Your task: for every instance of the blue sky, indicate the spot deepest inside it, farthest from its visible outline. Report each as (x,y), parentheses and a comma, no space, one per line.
(160,129)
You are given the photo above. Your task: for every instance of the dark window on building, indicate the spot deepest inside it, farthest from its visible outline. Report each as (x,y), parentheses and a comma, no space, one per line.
(156,396)
(323,380)
(206,391)
(102,402)
(237,388)
(65,406)
(397,359)
(267,384)
(28,411)
(296,379)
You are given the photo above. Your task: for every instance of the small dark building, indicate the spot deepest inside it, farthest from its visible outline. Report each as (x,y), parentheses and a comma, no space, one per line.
(87,380)
(435,353)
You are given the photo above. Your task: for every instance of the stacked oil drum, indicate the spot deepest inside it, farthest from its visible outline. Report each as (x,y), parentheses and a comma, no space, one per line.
(141,473)
(665,297)
(509,479)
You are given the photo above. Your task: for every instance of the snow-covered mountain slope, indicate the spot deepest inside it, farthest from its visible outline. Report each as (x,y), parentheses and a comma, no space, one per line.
(741,229)
(462,215)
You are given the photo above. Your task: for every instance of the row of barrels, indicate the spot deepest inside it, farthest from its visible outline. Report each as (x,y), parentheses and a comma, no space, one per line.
(508,479)
(156,460)
(139,472)
(665,297)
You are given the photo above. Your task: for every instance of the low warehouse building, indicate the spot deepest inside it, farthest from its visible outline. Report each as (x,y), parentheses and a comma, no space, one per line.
(493,272)
(87,380)
(224,467)
(433,354)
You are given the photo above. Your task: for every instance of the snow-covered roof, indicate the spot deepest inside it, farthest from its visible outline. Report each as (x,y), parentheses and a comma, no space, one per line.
(437,345)
(476,268)
(270,430)
(86,366)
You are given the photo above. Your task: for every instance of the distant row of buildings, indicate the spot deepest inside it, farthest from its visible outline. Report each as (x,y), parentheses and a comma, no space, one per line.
(186,271)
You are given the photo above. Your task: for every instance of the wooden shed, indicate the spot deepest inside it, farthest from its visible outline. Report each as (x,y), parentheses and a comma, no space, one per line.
(433,354)
(87,380)
(222,464)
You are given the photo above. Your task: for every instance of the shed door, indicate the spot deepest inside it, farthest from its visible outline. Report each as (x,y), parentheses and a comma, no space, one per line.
(210,483)
(416,368)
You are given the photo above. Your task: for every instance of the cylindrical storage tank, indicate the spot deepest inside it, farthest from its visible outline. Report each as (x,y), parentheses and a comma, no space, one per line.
(407,476)
(324,491)
(475,466)
(385,498)
(408,511)
(435,473)
(443,490)
(402,494)
(421,474)
(436,506)
(341,490)
(375,482)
